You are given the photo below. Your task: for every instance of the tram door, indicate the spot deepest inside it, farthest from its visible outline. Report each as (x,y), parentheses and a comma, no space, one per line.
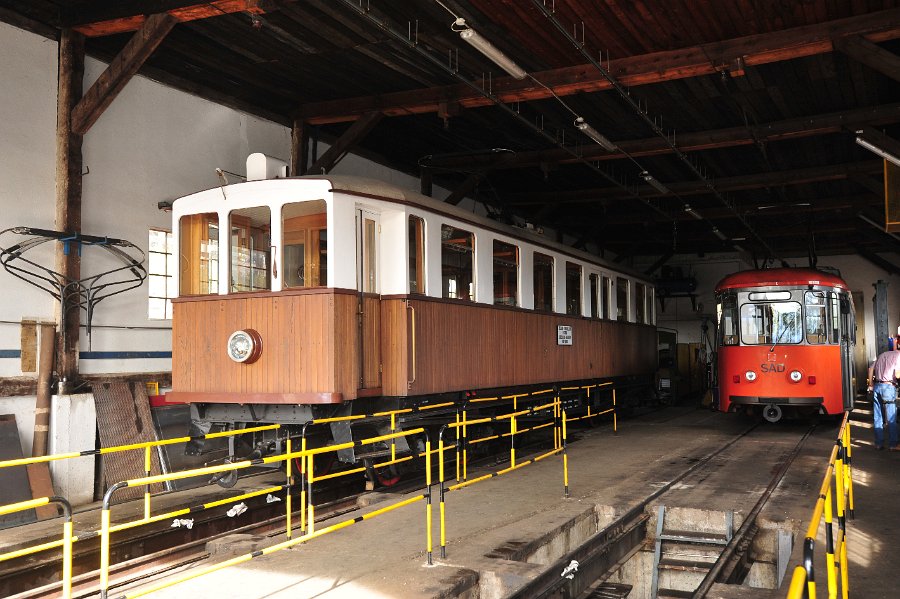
(369,308)
(848,340)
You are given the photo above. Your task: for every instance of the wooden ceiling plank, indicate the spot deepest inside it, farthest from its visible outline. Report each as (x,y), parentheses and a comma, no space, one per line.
(644,69)
(182,14)
(352,136)
(870,54)
(120,71)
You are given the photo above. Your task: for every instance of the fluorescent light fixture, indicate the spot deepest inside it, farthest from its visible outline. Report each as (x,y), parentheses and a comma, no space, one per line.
(595,135)
(692,212)
(881,152)
(651,180)
(490,51)
(719,234)
(738,248)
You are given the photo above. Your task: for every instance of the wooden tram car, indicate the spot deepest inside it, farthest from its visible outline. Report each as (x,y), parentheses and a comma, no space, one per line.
(785,342)
(322,296)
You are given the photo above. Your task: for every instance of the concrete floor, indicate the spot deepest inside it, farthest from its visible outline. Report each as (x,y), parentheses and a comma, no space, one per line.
(385,556)
(608,474)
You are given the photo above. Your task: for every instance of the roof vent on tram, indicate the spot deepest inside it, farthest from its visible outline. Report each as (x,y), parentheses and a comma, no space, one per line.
(260,167)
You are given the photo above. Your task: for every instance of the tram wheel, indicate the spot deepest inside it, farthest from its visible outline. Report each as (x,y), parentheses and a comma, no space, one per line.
(227,479)
(772,413)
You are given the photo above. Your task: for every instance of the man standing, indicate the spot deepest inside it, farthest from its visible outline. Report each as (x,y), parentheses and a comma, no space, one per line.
(882,375)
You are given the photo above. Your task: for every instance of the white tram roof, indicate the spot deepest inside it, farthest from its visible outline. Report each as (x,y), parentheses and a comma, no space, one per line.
(375,189)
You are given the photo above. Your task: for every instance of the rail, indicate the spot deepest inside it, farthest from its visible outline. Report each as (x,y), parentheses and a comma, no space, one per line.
(65,541)
(306,456)
(839,472)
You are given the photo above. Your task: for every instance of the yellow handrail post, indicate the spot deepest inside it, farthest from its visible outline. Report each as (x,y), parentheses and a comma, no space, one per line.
(428,497)
(289,485)
(565,454)
(465,448)
(809,546)
(67,556)
(615,420)
(458,448)
(829,547)
(841,513)
(311,520)
(303,486)
(512,434)
(393,441)
(441,498)
(795,591)
(848,448)
(104,538)
(148,465)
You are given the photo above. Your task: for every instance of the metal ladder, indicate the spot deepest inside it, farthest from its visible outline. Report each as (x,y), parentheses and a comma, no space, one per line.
(698,539)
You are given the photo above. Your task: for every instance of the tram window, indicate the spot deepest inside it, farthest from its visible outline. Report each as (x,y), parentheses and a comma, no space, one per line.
(728,317)
(506,274)
(835,328)
(457,263)
(816,321)
(595,290)
(769,296)
(573,289)
(543,282)
(605,294)
(640,291)
(199,254)
(771,323)
(621,299)
(250,244)
(305,244)
(416,255)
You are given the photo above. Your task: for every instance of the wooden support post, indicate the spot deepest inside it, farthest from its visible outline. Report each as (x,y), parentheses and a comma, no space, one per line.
(463,189)
(120,71)
(425,181)
(68,193)
(357,131)
(299,148)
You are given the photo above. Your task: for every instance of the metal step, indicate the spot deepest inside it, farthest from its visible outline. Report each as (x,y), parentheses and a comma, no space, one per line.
(610,590)
(687,536)
(683,565)
(673,594)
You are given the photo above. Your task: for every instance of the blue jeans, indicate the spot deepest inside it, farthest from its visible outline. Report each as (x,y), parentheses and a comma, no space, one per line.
(884,396)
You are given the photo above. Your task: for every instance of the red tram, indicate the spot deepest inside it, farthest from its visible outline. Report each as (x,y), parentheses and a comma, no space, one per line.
(785,343)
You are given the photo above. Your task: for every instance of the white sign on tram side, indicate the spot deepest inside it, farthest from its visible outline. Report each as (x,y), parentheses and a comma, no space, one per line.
(564,334)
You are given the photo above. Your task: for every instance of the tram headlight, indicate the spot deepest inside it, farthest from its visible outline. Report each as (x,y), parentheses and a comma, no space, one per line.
(796,376)
(750,375)
(244,346)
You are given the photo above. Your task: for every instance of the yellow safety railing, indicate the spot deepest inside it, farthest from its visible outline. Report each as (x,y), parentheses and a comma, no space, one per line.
(840,473)
(306,456)
(147,446)
(65,541)
(558,420)
(610,410)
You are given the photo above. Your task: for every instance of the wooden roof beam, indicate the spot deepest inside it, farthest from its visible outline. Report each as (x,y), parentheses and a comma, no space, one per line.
(705,59)
(798,128)
(121,17)
(345,143)
(463,189)
(833,172)
(870,54)
(120,71)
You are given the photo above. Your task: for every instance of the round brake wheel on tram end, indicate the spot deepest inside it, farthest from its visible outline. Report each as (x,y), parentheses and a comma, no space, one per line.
(772,413)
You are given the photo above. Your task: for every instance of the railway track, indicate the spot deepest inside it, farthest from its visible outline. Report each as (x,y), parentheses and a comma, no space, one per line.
(609,549)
